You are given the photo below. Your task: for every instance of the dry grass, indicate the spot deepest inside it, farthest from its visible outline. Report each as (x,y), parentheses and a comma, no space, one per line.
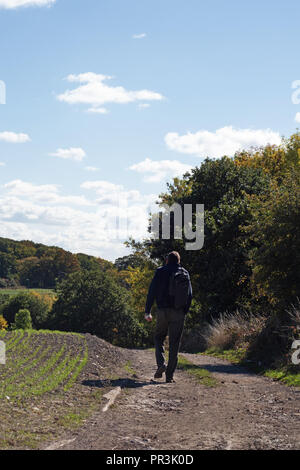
(295,316)
(230,331)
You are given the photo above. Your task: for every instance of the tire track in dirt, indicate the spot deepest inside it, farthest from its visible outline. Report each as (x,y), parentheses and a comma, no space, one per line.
(244,411)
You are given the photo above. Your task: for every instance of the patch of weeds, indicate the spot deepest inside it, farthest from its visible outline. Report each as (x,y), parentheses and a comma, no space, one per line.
(97,395)
(72,420)
(236,356)
(201,375)
(27,439)
(285,376)
(129,369)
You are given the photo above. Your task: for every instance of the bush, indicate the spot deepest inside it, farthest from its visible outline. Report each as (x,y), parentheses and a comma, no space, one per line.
(93,302)
(4,298)
(8,283)
(22,320)
(272,347)
(26,300)
(231,331)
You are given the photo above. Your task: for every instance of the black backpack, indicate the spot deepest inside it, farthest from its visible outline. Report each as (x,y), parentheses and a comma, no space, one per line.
(179,288)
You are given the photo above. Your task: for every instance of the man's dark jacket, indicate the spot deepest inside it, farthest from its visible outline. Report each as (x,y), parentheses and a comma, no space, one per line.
(159,288)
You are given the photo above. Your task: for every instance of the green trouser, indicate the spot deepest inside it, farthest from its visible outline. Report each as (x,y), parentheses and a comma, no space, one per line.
(169,320)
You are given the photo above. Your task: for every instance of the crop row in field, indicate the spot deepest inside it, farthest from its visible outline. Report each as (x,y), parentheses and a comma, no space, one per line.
(40,361)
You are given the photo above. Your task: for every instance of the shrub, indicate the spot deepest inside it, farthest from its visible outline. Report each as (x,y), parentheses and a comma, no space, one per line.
(232,330)
(22,320)
(272,347)
(26,300)
(8,283)
(3,323)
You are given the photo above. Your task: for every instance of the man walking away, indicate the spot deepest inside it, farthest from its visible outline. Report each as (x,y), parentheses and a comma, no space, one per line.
(172,290)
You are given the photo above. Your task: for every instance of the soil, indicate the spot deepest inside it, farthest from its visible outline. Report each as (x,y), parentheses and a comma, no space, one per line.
(244,411)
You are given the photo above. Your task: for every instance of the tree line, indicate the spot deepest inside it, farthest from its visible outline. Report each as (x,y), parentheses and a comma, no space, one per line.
(34,265)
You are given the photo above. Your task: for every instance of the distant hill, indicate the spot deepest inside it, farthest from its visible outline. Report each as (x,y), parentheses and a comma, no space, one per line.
(35,265)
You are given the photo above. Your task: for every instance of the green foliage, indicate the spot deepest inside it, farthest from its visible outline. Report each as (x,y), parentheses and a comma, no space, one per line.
(34,265)
(93,302)
(89,263)
(275,231)
(134,260)
(22,320)
(8,265)
(38,308)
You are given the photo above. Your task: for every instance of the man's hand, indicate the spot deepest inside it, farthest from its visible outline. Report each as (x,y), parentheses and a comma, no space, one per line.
(148,317)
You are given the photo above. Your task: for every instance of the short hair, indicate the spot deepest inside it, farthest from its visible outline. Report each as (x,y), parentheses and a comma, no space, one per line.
(174,257)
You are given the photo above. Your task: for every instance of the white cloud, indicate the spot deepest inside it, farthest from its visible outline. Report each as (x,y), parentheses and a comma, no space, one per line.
(2,164)
(95,223)
(73,153)
(139,36)
(112,194)
(144,105)
(297,117)
(159,170)
(14,138)
(97,110)
(11,4)
(45,193)
(224,141)
(92,168)
(95,92)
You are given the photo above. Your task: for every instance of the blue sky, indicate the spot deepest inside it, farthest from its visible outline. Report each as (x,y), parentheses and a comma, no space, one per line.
(106,100)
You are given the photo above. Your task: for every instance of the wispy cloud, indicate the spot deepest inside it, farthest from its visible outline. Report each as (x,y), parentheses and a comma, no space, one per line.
(73,153)
(12,4)
(14,138)
(157,171)
(144,105)
(224,141)
(97,110)
(94,91)
(92,168)
(297,117)
(139,36)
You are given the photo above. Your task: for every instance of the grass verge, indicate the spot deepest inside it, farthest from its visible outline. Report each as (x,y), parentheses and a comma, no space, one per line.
(203,376)
(238,356)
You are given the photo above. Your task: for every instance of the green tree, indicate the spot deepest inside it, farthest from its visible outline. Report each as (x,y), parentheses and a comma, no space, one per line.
(93,302)
(275,231)
(8,265)
(22,320)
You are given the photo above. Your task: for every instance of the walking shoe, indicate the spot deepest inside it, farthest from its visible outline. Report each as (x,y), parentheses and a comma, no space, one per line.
(170,380)
(159,373)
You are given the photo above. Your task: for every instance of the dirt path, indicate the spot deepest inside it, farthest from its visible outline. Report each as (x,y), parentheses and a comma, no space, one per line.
(244,412)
